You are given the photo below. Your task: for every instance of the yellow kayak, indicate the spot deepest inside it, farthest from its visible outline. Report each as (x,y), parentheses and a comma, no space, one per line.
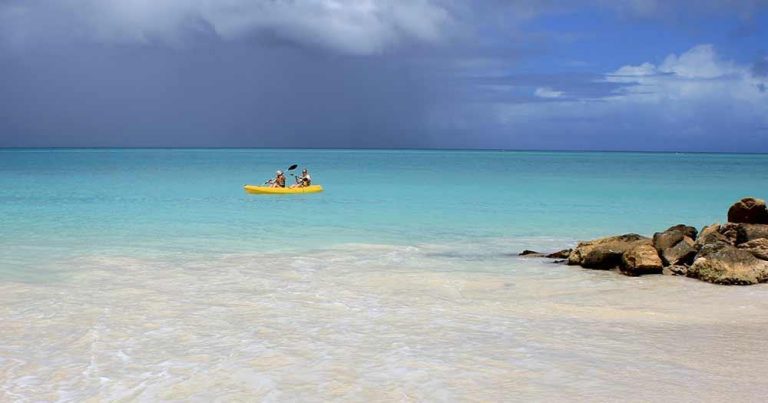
(266,190)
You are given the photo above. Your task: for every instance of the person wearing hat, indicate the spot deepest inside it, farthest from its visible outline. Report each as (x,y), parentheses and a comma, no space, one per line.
(279,181)
(304,180)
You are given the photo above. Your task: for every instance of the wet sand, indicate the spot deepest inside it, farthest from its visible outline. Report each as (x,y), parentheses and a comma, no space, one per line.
(378,323)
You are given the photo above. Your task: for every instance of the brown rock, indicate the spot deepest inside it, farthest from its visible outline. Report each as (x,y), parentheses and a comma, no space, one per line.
(740,233)
(667,239)
(641,259)
(732,232)
(680,254)
(757,247)
(709,235)
(675,270)
(675,245)
(604,253)
(563,254)
(687,230)
(602,259)
(751,232)
(748,210)
(725,264)
(531,253)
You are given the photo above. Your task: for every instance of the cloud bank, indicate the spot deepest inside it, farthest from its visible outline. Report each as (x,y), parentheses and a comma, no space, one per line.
(347,26)
(359,27)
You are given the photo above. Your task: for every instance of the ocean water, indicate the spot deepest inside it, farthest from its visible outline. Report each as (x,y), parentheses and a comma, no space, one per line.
(150,274)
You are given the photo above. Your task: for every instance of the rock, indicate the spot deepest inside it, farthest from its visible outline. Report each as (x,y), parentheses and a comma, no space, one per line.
(602,259)
(731,232)
(710,235)
(687,230)
(751,232)
(530,253)
(675,270)
(632,254)
(675,245)
(748,210)
(667,239)
(641,259)
(757,247)
(740,233)
(680,254)
(604,253)
(563,254)
(725,264)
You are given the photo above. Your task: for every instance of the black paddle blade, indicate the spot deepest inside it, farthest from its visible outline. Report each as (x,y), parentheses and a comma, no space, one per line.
(292,167)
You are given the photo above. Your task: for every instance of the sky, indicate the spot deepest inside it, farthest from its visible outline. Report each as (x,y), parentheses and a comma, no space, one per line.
(641,75)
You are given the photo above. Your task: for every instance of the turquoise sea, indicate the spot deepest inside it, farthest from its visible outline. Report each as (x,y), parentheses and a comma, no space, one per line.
(149,274)
(56,203)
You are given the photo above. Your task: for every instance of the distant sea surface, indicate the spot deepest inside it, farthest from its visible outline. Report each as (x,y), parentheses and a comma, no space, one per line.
(150,274)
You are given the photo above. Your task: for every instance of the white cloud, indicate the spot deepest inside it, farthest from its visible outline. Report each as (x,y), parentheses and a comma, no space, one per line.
(696,98)
(546,92)
(645,69)
(696,75)
(349,26)
(700,62)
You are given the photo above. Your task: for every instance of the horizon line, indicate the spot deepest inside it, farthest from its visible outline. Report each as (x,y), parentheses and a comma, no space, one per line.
(375,149)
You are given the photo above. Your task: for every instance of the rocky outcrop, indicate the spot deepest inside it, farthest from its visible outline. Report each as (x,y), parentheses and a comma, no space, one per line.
(748,210)
(725,264)
(757,247)
(732,253)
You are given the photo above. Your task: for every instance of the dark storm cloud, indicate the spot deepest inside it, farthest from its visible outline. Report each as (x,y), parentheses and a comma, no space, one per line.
(205,73)
(228,94)
(261,73)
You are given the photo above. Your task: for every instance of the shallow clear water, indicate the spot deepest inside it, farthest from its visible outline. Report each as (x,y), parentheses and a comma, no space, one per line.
(150,274)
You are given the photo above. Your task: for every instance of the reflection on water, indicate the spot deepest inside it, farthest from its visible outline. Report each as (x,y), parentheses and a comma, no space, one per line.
(367,322)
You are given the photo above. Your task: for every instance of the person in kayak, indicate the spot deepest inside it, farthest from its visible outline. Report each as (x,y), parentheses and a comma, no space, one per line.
(279,181)
(304,180)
